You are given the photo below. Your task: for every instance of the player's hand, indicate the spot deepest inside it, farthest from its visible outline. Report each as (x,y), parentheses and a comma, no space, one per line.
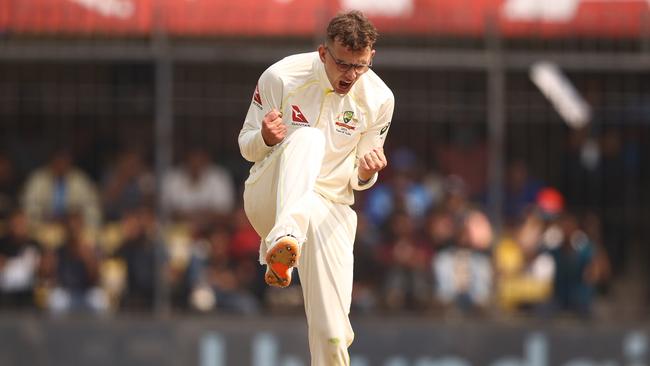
(371,163)
(273,129)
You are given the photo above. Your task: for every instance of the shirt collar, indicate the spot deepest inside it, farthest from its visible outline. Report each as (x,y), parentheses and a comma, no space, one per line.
(319,66)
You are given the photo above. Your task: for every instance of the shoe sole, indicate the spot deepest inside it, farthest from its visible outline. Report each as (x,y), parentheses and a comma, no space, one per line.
(280,261)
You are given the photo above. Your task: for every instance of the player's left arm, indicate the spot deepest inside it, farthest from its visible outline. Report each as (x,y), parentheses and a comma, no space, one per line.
(370,157)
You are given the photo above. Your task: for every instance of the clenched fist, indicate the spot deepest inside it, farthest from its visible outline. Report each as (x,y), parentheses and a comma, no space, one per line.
(371,163)
(273,129)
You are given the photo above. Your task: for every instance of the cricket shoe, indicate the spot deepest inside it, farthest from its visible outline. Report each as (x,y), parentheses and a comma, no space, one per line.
(280,260)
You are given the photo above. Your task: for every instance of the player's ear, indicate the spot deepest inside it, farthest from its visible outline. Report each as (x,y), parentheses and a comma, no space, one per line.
(321,52)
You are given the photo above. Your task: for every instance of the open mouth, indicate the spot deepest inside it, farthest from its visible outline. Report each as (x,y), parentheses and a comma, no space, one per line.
(345,85)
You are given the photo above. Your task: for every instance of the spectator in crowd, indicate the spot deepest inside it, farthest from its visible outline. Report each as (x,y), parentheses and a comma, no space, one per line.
(462,268)
(573,254)
(367,266)
(8,186)
(524,266)
(138,252)
(520,190)
(403,191)
(440,229)
(600,272)
(578,263)
(549,203)
(127,184)
(405,260)
(75,273)
(19,264)
(216,284)
(599,168)
(618,163)
(199,189)
(53,191)
(245,244)
(245,241)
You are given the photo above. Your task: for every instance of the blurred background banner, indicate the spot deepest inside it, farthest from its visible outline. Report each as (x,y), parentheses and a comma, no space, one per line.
(133,18)
(224,341)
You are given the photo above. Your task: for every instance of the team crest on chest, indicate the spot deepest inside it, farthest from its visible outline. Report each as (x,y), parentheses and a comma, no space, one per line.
(346,123)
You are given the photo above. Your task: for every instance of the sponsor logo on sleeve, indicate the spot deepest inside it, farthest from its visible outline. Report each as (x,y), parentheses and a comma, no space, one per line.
(257,99)
(384,129)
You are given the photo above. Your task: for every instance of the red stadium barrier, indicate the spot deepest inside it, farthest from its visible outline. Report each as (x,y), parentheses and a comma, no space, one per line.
(598,18)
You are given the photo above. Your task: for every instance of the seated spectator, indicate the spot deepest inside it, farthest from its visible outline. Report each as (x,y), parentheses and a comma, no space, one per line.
(549,203)
(581,264)
(462,268)
(403,191)
(520,190)
(441,229)
(464,272)
(216,281)
(600,272)
(367,267)
(19,264)
(573,287)
(245,241)
(524,266)
(245,251)
(405,258)
(75,273)
(138,252)
(127,184)
(53,191)
(198,189)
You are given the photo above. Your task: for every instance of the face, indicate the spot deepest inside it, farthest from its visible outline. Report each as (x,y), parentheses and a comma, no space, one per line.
(197,161)
(18,225)
(333,52)
(61,164)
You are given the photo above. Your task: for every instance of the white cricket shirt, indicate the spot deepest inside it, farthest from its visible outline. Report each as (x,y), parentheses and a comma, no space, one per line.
(352,124)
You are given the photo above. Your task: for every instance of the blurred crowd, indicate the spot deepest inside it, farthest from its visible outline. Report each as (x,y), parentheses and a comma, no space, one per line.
(430,241)
(425,243)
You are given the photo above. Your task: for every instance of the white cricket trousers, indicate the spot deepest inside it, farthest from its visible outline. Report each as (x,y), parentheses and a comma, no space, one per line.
(279,199)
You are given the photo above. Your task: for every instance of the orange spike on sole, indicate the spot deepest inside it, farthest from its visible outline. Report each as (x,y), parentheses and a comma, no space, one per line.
(280,260)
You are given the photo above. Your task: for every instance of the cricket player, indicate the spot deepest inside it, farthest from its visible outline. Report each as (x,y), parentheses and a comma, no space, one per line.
(315,131)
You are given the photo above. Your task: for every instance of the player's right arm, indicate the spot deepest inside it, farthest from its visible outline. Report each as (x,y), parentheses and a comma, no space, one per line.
(263,127)
(273,129)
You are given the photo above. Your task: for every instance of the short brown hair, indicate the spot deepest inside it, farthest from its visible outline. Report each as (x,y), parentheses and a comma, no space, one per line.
(353,30)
